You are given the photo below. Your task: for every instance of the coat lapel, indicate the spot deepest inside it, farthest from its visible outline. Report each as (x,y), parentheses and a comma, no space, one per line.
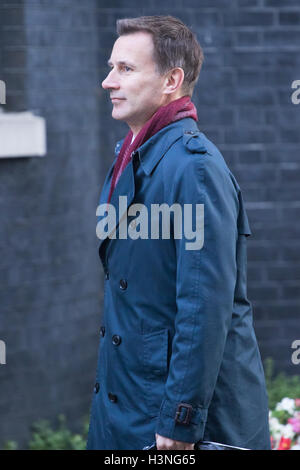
(125,188)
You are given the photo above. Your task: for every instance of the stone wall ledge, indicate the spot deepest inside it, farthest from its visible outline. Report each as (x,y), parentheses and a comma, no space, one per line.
(22,134)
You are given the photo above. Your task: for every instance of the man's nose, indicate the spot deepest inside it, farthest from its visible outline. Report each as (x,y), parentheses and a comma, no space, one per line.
(110,82)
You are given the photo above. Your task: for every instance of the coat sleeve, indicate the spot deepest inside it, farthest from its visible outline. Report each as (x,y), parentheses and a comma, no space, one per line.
(205,285)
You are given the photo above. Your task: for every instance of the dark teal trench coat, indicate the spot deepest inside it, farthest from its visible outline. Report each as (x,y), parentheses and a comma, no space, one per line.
(178,354)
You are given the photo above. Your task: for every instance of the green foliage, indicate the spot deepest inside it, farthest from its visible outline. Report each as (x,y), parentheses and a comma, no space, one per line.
(10,445)
(281,385)
(281,415)
(46,438)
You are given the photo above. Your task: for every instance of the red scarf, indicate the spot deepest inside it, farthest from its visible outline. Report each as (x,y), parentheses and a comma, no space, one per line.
(177,109)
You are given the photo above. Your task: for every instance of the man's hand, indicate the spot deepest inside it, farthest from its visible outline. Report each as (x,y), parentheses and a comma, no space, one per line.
(164,443)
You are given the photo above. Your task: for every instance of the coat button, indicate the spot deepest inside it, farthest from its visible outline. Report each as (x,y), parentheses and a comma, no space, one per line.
(96,387)
(113,398)
(123,284)
(102,331)
(116,340)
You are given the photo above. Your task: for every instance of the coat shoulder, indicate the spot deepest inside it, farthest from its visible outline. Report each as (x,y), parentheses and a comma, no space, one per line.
(194,148)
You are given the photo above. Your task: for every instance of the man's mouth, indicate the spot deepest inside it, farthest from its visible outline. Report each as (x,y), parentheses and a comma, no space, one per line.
(115,100)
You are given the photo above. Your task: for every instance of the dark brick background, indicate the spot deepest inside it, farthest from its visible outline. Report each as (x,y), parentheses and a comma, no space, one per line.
(52,57)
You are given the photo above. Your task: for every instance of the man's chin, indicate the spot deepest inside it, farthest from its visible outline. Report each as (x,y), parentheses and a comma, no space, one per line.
(118,116)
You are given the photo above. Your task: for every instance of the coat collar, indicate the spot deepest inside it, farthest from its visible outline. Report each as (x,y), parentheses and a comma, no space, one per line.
(155,148)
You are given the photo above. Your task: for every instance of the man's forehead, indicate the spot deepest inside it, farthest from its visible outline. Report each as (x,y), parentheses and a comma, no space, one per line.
(132,47)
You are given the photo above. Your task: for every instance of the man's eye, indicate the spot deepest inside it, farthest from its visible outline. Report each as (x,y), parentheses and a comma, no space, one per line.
(123,68)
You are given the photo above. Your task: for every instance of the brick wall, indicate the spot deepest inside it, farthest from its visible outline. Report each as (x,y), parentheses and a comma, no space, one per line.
(13,53)
(54,57)
(51,279)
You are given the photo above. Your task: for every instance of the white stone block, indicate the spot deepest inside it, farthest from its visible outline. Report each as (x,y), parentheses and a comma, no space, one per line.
(22,135)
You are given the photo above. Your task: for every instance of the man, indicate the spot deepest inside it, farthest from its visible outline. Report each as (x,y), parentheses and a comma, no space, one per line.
(178,358)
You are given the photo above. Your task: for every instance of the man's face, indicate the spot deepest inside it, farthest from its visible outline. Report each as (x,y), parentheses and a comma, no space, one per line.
(136,88)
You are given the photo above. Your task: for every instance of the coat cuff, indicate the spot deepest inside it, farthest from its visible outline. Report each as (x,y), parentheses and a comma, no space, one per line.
(181,421)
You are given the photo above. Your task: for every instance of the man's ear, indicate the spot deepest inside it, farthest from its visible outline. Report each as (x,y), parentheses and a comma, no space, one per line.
(174,80)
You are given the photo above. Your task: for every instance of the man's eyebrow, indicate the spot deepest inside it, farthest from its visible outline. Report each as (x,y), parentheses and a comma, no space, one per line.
(120,62)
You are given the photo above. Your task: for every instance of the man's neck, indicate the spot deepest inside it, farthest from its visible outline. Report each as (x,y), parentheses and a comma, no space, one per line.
(137,128)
